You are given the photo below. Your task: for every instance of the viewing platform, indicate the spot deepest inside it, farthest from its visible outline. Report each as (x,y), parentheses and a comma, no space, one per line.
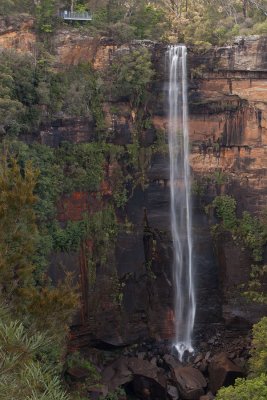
(75,16)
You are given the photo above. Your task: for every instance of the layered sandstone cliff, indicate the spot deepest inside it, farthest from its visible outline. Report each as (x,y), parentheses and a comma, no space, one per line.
(228,135)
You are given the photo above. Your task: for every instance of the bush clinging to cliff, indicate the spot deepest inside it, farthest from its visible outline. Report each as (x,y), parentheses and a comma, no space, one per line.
(132,73)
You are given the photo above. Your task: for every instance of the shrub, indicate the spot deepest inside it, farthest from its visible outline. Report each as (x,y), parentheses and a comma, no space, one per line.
(245,389)
(225,207)
(24,371)
(258,361)
(132,74)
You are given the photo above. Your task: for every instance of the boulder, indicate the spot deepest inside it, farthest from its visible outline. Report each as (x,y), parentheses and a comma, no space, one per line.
(203,367)
(98,392)
(78,374)
(148,389)
(190,382)
(146,369)
(149,381)
(222,372)
(146,380)
(117,374)
(173,392)
(171,362)
(208,396)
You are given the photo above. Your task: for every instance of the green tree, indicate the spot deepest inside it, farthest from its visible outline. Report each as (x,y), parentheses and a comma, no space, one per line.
(255,386)
(18,230)
(149,22)
(11,109)
(25,372)
(225,207)
(132,74)
(45,12)
(245,389)
(258,360)
(30,295)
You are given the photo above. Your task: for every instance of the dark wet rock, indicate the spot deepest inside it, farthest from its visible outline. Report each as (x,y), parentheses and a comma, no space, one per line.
(171,362)
(149,381)
(232,356)
(98,392)
(190,382)
(146,369)
(212,340)
(78,373)
(240,362)
(148,389)
(160,363)
(172,392)
(198,359)
(141,355)
(208,396)
(117,374)
(146,380)
(203,367)
(222,372)
(154,361)
(238,323)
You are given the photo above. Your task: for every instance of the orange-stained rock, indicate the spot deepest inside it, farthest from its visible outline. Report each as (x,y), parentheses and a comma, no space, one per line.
(228,133)
(73,207)
(17,33)
(73,47)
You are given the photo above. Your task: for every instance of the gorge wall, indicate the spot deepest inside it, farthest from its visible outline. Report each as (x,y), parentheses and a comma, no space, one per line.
(228,136)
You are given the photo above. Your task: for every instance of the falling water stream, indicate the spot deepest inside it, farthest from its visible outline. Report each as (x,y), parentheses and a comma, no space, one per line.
(181,217)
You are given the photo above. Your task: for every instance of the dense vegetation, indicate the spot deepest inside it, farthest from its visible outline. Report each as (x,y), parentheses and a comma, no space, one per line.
(34,339)
(36,312)
(247,229)
(255,386)
(31,92)
(251,233)
(201,22)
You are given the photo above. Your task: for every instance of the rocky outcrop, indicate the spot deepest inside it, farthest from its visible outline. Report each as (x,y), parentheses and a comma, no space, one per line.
(190,381)
(222,372)
(147,380)
(228,135)
(17,33)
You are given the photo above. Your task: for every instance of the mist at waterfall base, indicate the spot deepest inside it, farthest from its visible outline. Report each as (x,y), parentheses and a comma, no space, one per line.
(180,207)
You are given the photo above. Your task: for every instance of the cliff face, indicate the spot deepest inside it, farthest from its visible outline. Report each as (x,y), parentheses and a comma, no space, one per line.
(228,127)
(228,136)
(229,103)
(17,33)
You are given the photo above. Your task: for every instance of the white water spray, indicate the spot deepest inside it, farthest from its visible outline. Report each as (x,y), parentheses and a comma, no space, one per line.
(181,218)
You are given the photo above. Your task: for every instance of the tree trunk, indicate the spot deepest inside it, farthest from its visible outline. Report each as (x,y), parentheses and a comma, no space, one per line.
(245,8)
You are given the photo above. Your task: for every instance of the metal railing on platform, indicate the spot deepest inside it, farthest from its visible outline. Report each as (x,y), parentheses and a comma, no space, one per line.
(75,16)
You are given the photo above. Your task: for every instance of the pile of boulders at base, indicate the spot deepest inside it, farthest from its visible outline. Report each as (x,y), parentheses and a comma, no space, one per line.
(148,381)
(171,381)
(152,371)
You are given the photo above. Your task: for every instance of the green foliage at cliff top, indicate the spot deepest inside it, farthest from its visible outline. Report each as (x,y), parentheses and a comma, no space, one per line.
(200,22)
(32,92)
(131,73)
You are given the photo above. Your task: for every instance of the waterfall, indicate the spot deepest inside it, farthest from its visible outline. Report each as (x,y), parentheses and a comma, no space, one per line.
(181,218)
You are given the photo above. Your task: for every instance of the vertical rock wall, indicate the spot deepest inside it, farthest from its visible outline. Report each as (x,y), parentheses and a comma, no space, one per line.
(228,135)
